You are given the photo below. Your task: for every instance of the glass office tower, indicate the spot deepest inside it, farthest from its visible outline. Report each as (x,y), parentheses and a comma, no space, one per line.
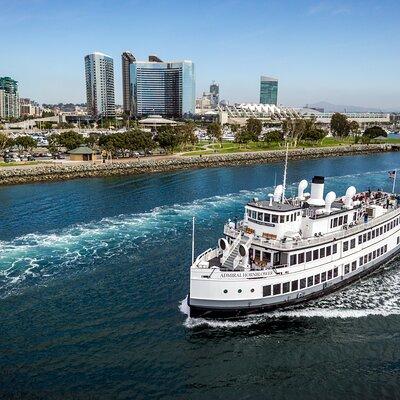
(99,69)
(9,98)
(162,88)
(268,90)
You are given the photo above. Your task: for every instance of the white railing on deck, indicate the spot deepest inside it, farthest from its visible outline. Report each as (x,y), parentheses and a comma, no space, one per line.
(291,245)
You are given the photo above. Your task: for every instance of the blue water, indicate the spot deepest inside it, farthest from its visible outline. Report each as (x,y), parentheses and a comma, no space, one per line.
(93,274)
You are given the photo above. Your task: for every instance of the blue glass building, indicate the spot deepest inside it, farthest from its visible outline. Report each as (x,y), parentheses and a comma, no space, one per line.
(162,88)
(268,90)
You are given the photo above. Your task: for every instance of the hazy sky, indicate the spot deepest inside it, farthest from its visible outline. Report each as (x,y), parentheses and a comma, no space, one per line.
(344,52)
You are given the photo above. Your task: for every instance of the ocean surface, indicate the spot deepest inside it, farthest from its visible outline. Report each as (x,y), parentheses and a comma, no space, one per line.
(94,273)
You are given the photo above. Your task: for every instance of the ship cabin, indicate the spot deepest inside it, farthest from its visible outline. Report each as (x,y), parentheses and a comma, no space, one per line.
(273,225)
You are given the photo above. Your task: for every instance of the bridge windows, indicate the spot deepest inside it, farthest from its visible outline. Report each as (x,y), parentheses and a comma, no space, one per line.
(266,290)
(277,289)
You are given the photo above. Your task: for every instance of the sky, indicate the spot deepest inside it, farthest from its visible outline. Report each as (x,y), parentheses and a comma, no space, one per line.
(343,52)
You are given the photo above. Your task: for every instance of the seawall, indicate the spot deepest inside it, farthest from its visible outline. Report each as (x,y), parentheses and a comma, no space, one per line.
(56,172)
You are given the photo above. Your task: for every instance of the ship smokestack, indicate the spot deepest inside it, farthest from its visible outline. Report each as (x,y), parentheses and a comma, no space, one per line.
(317,192)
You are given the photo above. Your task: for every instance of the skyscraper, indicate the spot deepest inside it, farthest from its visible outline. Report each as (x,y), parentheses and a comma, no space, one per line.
(164,88)
(268,90)
(214,92)
(9,98)
(99,69)
(127,60)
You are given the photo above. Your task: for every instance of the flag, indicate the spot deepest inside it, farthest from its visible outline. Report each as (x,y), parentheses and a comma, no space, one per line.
(392,174)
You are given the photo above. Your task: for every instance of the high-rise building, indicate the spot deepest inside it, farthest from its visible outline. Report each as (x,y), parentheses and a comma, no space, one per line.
(99,70)
(214,91)
(9,99)
(268,90)
(163,88)
(127,60)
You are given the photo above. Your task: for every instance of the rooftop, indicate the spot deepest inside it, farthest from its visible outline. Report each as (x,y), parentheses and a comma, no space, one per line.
(82,149)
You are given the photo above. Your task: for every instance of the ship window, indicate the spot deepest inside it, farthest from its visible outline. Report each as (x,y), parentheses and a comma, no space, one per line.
(274,218)
(260,216)
(291,217)
(286,287)
(353,265)
(335,222)
(267,290)
(287,218)
(374,254)
(282,219)
(328,251)
(340,220)
(295,285)
(225,291)
(293,259)
(308,256)
(239,290)
(257,254)
(361,261)
(334,249)
(315,254)
(381,230)
(345,219)
(345,246)
(302,283)
(347,268)
(369,256)
(277,288)
(365,259)
(253,214)
(266,217)
(335,272)
(373,234)
(360,239)
(322,252)
(249,213)
(330,274)
(385,247)
(369,236)
(352,243)
(317,279)
(252,290)
(310,281)
(300,258)
(364,237)
(323,277)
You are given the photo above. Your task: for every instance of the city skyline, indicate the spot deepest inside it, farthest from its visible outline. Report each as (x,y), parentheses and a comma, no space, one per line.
(335,51)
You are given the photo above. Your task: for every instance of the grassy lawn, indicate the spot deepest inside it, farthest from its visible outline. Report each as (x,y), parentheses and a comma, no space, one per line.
(17,164)
(204,148)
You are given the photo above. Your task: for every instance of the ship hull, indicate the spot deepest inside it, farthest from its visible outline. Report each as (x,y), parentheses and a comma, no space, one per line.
(221,311)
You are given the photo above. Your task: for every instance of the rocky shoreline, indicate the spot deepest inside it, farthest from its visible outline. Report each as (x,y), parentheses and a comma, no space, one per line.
(56,172)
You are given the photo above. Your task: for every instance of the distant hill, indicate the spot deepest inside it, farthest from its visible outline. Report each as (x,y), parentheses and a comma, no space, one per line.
(329,107)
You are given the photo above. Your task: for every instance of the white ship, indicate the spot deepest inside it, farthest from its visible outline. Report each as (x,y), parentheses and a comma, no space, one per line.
(287,251)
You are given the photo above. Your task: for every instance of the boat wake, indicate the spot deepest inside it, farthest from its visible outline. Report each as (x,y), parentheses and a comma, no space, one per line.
(376,295)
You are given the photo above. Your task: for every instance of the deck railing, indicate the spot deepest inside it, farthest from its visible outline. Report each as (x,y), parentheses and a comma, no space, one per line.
(293,244)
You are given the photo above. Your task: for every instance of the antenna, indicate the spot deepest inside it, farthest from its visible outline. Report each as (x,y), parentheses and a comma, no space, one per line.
(285,172)
(394,180)
(193,241)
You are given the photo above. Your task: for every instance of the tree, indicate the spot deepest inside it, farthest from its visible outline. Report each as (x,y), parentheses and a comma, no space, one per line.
(138,140)
(273,136)
(242,136)
(294,129)
(214,131)
(70,139)
(5,142)
(186,131)
(254,128)
(25,142)
(92,140)
(374,132)
(354,127)
(339,125)
(168,139)
(54,142)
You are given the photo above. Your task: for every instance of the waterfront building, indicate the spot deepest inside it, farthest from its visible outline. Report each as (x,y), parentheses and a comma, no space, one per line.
(9,98)
(99,69)
(127,60)
(268,90)
(162,88)
(240,113)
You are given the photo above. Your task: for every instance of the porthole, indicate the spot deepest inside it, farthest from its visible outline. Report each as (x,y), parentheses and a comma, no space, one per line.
(225,291)
(252,290)
(240,291)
